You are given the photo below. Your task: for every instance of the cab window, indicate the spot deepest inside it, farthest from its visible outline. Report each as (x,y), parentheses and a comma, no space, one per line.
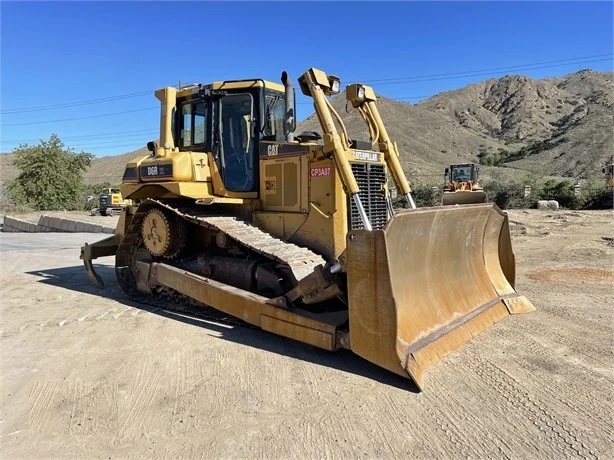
(274,107)
(193,124)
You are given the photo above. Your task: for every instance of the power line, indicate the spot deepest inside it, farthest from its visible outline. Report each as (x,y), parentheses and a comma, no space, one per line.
(86,136)
(471,73)
(378,81)
(486,73)
(516,67)
(105,146)
(415,97)
(74,104)
(80,118)
(110,143)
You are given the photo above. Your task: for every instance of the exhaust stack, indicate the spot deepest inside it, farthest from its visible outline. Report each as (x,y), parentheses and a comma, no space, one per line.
(290,117)
(168,99)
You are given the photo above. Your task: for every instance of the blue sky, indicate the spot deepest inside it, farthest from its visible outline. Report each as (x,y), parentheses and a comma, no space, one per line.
(57,56)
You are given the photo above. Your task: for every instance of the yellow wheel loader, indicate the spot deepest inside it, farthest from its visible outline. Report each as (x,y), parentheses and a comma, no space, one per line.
(296,233)
(462,185)
(111,201)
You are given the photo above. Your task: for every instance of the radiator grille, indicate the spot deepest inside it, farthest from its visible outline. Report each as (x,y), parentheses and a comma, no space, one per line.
(370,178)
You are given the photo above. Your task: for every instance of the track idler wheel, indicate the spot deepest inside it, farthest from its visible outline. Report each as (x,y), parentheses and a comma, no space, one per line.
(163,235)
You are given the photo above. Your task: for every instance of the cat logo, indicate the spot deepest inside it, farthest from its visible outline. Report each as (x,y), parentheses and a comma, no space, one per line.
(272,150)
(366,156)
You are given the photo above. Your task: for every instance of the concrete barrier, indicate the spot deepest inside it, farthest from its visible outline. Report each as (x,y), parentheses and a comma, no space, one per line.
(552,205)
(53,224)
(11,224)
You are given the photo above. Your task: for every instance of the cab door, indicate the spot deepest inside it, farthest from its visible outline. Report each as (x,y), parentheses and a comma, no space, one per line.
(234,148)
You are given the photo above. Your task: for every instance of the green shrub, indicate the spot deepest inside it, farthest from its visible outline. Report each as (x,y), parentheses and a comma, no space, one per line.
(561,191)
(50,176)
(423,195)
(594,195)
(510,195)
(507,196)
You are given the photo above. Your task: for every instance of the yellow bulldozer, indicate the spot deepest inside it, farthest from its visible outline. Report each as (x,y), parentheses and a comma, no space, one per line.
(296,234)
(462,185)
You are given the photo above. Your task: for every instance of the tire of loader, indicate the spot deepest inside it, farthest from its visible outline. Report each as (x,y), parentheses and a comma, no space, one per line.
(430,281)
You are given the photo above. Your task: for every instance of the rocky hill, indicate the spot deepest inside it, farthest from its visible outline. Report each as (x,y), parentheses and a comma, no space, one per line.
(555,127)
(560,126)
(111,168)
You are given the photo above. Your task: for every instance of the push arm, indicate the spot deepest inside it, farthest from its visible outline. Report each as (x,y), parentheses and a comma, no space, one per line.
(363,98)
(317,84)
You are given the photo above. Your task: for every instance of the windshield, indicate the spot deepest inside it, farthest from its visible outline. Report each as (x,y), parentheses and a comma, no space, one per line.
(236,142)
(461,173)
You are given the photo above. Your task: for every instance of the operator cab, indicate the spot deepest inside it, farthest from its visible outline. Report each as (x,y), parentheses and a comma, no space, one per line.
(230,119)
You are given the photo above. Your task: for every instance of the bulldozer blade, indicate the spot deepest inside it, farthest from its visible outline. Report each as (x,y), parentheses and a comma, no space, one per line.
(427,283)
(463,197)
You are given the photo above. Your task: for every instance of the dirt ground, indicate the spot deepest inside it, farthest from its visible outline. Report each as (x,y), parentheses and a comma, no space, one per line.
(86,373)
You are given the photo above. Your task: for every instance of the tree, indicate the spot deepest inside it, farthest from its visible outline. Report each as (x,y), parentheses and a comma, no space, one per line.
(5,198)
(50,175)
(595,195)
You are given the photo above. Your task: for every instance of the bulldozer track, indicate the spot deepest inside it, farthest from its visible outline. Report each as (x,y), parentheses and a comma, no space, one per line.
(302,261)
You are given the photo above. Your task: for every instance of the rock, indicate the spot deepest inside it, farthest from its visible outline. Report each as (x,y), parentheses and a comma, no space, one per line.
(548,205)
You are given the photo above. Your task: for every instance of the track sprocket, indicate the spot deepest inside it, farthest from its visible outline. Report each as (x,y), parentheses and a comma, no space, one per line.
(163,236)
